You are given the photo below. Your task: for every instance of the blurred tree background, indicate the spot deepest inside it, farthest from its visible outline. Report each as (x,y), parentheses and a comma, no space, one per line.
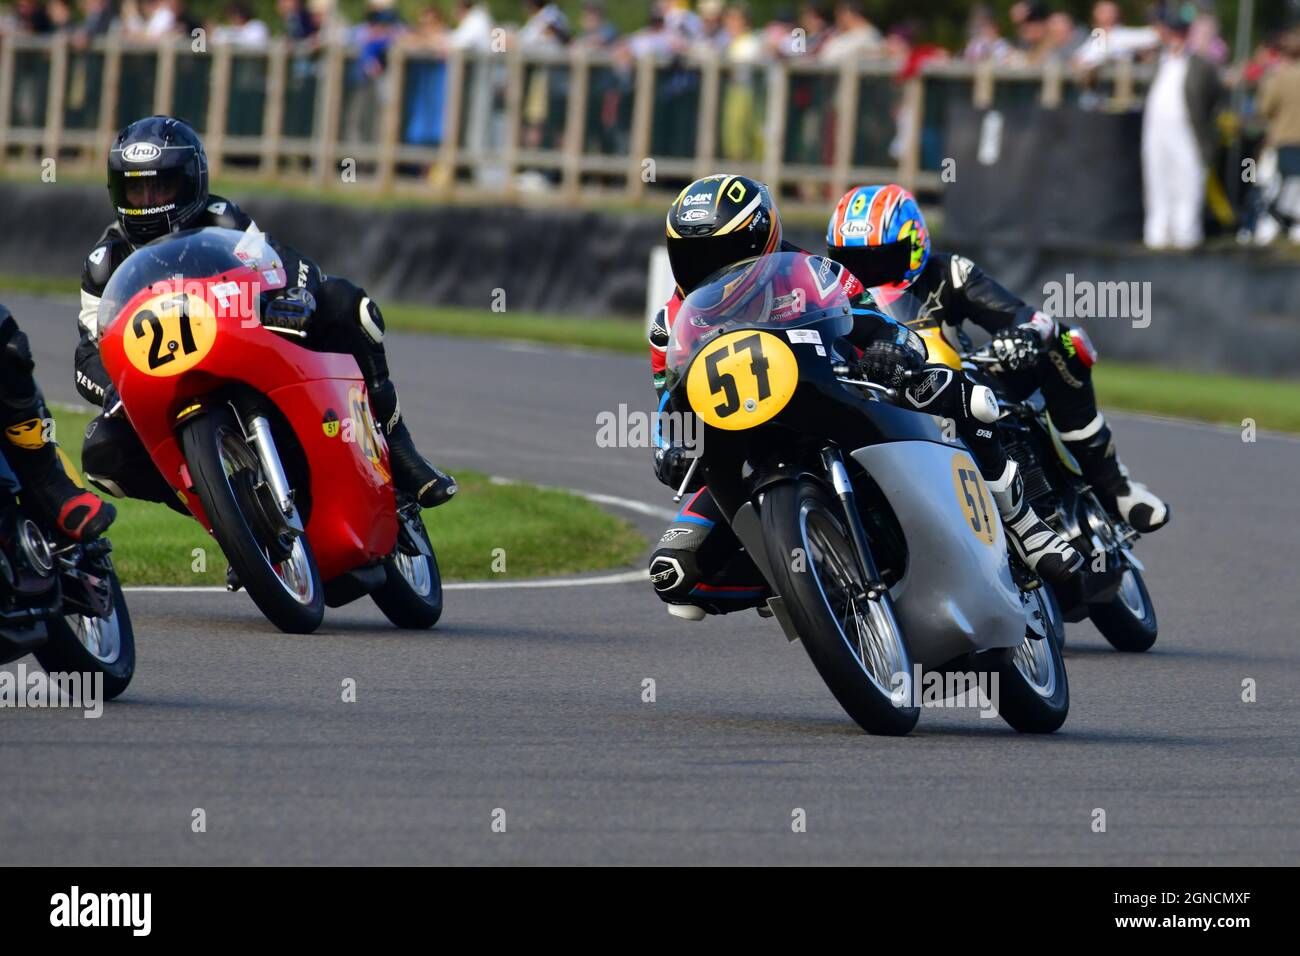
(939,21)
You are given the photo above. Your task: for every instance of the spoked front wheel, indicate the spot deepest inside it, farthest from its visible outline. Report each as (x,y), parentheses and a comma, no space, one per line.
(275,566)
(854,641)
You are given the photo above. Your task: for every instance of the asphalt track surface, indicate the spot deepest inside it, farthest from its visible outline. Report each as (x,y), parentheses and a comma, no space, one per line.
(530,700)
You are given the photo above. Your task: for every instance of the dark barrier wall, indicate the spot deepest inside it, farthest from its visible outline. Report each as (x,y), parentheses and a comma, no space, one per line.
(1237,310)
(1233,310)
(547,261)
(1044,176)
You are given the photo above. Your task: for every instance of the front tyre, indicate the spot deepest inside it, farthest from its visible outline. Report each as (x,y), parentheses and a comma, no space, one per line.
(1128,620)
(278,570)
(854,642)
(1033,693)
(86,644)
(411,597)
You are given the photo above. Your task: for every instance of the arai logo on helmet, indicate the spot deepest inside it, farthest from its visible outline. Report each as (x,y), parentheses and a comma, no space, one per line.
(141,153)
(855,228)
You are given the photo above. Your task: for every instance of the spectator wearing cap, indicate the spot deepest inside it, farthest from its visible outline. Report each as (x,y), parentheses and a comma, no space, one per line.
(1178,139)
(296,18)
(1033,42)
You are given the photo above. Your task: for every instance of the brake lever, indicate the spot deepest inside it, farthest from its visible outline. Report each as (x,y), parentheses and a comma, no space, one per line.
(863,383)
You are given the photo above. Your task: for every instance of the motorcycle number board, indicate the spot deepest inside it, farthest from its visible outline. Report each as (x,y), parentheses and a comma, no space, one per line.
(170,333)
(973,498)
(742,379)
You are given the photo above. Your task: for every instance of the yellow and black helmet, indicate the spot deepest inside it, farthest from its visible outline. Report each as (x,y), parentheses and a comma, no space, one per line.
(717,221)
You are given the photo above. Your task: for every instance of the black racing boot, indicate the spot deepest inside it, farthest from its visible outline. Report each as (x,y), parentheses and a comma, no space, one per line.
(1045,552)
(1093,448)
(412,472)
(49,480)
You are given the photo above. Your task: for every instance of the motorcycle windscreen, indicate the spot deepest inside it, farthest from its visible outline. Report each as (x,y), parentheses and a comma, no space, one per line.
(778,292)
(195,254)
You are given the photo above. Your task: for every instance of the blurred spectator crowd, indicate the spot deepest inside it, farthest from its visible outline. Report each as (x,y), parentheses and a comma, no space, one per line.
(1033,33)
(1181,40)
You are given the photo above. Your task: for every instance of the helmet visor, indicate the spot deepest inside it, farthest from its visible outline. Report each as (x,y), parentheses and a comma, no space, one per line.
(694,259)
(150,192)
(875,265)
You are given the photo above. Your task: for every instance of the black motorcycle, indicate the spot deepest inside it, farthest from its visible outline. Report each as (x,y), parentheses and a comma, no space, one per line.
(879,541)
(1110,590)
(60,600)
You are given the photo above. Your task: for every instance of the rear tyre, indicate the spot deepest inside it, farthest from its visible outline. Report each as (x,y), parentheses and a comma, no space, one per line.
(80,643)
(1128,620)
(278,571)
(411,597)
(855,644)
(1033,691)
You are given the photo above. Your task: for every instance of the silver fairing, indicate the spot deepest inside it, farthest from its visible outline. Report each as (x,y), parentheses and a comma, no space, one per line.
(957,595)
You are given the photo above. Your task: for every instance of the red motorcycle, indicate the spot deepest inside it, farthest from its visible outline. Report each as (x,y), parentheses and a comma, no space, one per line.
(271,446)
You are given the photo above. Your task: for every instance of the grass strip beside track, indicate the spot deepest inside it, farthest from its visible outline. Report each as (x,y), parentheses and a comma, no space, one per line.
(532,526)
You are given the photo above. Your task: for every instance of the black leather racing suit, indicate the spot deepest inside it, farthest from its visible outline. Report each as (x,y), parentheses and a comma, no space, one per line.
(954,290)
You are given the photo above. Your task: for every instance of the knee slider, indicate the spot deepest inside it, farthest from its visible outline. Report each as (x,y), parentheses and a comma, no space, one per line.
(673,573)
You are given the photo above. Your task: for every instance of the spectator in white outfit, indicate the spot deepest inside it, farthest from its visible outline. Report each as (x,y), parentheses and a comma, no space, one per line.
(1177,142)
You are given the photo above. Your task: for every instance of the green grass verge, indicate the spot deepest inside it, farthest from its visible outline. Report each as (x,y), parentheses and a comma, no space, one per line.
(533,526)
(1228,399)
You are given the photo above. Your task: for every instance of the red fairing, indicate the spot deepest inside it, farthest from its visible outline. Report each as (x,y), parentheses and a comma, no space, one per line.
(353,517)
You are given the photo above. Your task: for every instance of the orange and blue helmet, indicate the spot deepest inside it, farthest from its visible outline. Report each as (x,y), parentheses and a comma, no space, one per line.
(879,234)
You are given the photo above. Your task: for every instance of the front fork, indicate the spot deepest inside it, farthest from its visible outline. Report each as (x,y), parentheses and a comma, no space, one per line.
(833,462)
(259,436)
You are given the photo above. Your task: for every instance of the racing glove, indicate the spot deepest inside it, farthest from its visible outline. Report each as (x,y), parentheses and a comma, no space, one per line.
(290,313)
(1016,346)
(671,465)
(889,363)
